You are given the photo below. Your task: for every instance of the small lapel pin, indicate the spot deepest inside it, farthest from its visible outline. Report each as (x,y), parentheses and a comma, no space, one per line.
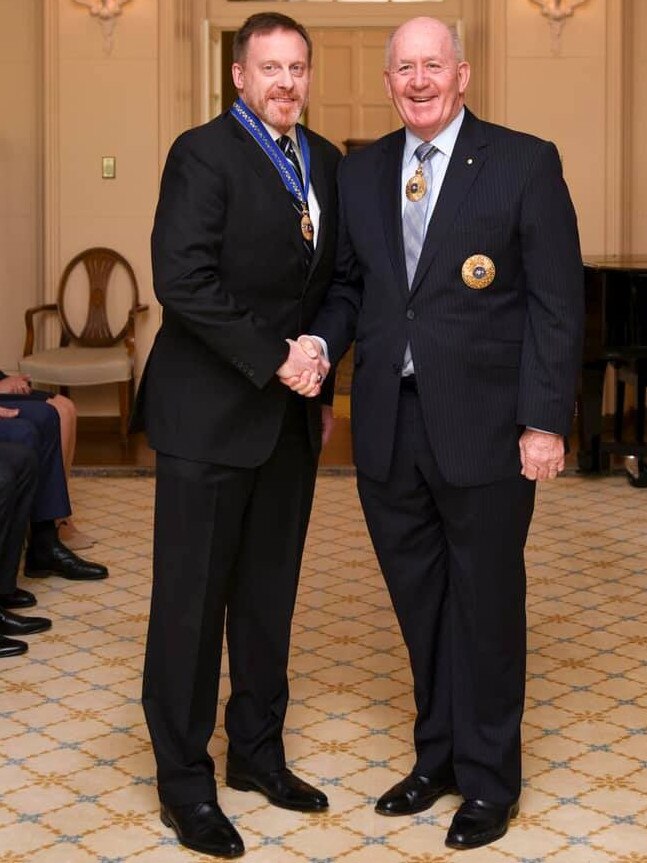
(470,161)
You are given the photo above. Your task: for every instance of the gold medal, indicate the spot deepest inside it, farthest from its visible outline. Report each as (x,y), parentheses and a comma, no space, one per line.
(307,228)
(478,272)
(416,187)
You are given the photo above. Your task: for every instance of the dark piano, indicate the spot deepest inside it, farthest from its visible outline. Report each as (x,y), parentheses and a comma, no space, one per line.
(616,333)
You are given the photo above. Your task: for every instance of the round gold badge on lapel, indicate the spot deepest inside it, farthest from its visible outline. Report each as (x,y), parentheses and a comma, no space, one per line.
(478,272)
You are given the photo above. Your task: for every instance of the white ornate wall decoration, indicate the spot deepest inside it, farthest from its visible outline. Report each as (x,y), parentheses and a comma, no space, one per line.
(106,12)
(557,11)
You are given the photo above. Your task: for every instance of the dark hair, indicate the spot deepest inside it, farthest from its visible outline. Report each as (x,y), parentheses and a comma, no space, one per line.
(267,22)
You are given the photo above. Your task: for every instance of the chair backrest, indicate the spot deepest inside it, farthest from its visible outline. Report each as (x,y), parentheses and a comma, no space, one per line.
(100,325)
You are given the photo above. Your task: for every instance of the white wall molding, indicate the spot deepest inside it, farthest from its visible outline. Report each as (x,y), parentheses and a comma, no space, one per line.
(175,64)
(495,61)
(51,152)
(617,135)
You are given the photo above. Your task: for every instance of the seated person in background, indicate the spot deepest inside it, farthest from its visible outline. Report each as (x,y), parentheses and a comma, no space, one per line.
(35,424)
(18,481)
(20,386)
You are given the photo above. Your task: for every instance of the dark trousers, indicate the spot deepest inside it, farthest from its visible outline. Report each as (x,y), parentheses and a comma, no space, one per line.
(453,562)
(37,427)
(226,540)
(18,479)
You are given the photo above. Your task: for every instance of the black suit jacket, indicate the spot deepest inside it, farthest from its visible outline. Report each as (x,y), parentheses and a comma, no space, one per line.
(488,362)
(229,271)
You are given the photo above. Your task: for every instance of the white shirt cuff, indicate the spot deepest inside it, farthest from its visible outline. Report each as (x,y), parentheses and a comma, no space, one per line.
(322,344)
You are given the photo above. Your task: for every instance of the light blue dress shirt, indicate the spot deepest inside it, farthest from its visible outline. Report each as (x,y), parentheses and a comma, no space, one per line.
(444,143)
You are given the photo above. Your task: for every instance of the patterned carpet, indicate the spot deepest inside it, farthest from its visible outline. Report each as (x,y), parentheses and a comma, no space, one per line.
(76,771)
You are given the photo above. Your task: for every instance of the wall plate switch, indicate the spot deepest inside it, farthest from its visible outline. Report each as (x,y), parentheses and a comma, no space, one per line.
(108,167)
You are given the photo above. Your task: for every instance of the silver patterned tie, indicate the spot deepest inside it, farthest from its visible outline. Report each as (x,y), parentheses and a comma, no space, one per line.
(413,218)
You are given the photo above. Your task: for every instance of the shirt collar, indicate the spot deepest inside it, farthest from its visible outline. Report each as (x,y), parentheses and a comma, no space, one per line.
(444,141)
(275,135)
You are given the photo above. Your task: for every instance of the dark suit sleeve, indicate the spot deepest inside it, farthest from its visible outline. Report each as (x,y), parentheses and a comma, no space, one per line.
(552,265)
(187,236)
(336,320)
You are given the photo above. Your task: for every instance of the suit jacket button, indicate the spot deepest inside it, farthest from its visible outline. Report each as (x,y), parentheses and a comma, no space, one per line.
(410,314)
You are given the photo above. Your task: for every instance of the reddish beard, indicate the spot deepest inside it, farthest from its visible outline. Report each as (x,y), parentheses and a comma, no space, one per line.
(285,113)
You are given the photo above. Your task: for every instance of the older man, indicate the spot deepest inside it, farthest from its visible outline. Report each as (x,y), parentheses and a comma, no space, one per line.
(459,277)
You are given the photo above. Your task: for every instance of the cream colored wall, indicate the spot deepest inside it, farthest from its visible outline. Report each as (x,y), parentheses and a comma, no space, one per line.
(20,202)
(637,202)
(102,104)
(573,97)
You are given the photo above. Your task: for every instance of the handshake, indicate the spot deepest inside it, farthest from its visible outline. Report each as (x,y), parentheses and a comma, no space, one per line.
(305,368)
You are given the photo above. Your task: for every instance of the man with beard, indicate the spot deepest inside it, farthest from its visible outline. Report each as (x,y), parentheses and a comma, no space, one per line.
(459,275)
(243,248)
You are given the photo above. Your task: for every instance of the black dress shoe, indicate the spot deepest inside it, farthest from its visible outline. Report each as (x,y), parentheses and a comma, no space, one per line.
(203,827)
(14,624)
(18,598)
(57,559)
(478,822)
(414,793)
(11,647)
(281,787)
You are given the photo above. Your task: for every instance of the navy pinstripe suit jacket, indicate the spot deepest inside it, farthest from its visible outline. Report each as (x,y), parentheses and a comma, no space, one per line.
(489,361)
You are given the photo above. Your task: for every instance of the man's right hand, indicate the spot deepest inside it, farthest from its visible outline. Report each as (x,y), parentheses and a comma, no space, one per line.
(8,413)
(15,385)
(305,368)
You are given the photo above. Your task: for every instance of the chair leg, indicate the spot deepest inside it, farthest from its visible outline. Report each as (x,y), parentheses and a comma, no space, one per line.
(620,411)
(124,409)
(641,386)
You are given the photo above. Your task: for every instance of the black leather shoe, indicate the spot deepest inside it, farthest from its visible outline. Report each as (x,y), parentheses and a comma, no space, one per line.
(57,559)
(18,598)
(203,827)
(281,787)
(14,624)
(478,822)
(11,647)
(414,793)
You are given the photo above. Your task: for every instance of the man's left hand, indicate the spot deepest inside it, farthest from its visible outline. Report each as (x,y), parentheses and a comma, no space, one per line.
(542,454)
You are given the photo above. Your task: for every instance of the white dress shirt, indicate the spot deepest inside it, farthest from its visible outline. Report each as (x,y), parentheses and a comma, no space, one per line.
(313,204)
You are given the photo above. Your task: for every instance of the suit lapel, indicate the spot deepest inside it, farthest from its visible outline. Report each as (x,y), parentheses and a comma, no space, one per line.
(470,152)
(319,183)
(390,180)
(259,164)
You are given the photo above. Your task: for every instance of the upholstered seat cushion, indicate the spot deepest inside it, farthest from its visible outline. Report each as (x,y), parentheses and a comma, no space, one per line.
(77,366)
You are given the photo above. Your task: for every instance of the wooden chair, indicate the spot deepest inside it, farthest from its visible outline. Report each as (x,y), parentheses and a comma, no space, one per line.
(97,346)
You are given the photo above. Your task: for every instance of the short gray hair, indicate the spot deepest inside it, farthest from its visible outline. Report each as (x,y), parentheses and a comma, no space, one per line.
(456,44)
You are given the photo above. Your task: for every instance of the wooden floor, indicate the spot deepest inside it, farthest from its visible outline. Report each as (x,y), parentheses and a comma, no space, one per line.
(102,447)
(99,446)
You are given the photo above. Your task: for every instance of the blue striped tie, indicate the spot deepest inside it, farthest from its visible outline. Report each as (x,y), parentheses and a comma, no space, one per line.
(414,216)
